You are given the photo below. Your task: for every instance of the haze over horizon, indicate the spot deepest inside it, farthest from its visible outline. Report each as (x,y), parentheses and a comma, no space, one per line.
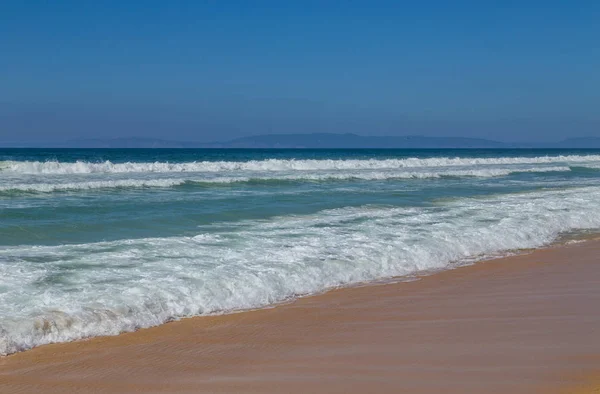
(212,72)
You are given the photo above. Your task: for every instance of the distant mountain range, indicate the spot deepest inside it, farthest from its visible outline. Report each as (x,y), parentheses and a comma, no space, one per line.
(325,140)
(320,141)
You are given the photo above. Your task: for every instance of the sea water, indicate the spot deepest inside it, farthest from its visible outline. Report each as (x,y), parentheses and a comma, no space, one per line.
(99,242)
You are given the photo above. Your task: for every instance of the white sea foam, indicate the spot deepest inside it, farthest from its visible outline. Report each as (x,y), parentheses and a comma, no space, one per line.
(62,185)
(81,167)
(108,184)
(105,288)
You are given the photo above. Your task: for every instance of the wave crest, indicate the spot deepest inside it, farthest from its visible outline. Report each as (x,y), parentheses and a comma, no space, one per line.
(45,187)
(274,165)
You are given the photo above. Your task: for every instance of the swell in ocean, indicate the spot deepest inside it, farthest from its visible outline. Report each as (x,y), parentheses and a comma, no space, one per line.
(45,187)
(82,167)
(34,176)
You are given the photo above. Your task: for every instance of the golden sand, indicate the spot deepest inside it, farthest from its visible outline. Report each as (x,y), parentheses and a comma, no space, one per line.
(522,324)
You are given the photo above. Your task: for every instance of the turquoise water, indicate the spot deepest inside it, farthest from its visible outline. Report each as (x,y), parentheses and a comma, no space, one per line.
(98,242)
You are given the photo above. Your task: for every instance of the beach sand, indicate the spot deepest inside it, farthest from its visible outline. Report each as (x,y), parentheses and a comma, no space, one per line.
(523,324)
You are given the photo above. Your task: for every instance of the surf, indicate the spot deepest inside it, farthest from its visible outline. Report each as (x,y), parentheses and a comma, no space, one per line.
(106,288)
(276,165)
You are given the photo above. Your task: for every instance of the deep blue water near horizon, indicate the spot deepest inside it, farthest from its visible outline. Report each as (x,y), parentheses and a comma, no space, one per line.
(102,241)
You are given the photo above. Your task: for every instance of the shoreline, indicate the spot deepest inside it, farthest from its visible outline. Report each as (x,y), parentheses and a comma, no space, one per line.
(561,241)
(401,335)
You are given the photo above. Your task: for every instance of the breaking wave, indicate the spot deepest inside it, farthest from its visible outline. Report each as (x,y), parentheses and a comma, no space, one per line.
(45,187)
(273,165)
(105,288)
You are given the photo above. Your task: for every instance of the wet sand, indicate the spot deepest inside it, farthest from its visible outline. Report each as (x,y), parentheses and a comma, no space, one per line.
(522,324)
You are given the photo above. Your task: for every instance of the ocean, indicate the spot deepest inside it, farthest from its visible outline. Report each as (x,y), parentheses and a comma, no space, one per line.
(99,242)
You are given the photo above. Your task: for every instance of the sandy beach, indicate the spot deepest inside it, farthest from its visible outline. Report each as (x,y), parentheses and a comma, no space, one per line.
(239,197)
(523,324)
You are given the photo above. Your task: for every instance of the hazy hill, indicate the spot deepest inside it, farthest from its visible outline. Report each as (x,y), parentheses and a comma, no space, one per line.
(127,143)
(584,142)
(318,140)
(327,140)
(287,141)
(321,140)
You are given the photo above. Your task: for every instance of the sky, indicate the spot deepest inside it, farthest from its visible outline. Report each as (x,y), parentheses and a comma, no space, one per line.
(215,70)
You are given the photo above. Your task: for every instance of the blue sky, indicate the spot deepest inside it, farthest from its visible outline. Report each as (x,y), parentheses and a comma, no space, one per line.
(214,70)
